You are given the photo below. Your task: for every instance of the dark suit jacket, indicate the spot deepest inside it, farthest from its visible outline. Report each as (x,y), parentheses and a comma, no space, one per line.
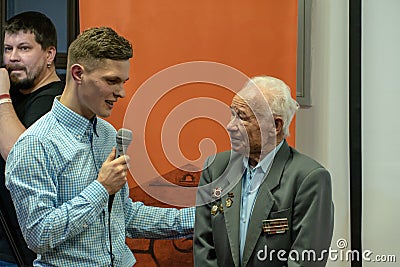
(296,188)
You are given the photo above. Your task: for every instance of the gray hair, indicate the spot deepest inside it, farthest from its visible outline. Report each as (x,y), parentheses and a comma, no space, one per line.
(278,96)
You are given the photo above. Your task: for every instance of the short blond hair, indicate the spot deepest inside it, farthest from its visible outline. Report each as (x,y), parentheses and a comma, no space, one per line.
(96,44)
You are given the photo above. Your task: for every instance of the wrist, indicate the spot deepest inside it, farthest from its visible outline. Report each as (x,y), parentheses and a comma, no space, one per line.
(4,96)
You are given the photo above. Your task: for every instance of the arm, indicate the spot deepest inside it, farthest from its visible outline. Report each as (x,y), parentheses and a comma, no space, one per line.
(203,244)
(31,177)
(157,223)
(313,218)
(10,126)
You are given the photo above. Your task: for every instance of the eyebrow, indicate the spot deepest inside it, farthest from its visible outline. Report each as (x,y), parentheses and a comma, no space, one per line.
(116,78)
(19,44)
(237,109)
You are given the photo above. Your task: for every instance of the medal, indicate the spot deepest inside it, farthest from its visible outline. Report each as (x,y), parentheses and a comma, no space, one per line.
(221,209)
(228,202)
(217,192)
(214,210)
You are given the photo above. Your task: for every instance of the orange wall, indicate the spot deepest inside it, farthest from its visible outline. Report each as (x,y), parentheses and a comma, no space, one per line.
(255,37)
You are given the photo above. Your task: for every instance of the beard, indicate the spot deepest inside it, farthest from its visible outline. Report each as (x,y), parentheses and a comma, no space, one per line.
(21,84)
(24,84)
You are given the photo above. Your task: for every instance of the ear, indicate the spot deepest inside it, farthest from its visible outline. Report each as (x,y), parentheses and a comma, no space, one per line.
(51,54)
(77,73)
(278,121)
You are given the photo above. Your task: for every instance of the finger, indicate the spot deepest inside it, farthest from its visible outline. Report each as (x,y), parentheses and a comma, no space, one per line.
(124,159)
(111,156)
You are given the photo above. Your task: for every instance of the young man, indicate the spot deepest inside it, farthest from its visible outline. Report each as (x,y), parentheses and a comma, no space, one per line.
(263,203)
(30,42)
(62,170)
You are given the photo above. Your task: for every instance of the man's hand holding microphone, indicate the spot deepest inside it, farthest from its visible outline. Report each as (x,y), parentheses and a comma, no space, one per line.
(112,174)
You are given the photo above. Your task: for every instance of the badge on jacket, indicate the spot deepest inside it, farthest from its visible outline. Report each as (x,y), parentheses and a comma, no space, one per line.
(217,192)
(228,202)
(275,226)
(214,210)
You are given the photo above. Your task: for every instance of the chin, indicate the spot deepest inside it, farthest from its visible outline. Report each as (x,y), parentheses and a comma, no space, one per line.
(107,114)
(104,115)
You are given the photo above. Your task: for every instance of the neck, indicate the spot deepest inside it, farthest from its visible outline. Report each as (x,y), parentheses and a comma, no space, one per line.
(71,100)
(49,77)
(255,158)
(253,161)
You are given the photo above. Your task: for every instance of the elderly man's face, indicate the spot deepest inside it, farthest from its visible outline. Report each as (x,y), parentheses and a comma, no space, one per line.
(243,128)
(251,135)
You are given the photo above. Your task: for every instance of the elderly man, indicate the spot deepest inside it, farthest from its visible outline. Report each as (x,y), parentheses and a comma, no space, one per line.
(263,203)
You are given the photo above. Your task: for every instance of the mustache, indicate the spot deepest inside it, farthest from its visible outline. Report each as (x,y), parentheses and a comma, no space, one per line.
(11,67)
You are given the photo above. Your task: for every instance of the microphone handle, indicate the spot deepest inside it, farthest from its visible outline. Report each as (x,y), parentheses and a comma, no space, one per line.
(121,149)
(119,153)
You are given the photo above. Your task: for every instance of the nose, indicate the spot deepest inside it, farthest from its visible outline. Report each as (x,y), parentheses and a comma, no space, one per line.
(120,92)
(13,55)
(233,124)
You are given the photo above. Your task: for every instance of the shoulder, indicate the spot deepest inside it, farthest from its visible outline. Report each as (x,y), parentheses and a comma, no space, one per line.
(42,127)
(40,134)
(105,127)
(306,168)
(303,161)
(222,158)
(35,140)
(41,100)
(217,164)
(52,89)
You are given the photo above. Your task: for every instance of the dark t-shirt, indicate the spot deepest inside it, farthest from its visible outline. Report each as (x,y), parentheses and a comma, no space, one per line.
(29,108)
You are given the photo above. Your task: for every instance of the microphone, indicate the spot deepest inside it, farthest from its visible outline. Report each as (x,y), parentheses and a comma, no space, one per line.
(124,138)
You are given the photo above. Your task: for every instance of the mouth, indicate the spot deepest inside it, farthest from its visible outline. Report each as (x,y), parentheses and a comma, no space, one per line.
(234,139)
(16,72)
(15,69)
(110,103)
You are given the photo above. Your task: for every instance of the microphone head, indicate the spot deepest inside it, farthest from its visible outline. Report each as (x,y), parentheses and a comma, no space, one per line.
(124,137)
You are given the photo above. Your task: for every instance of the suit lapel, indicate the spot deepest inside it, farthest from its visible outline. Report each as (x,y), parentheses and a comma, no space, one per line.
(232,214)
(264,201)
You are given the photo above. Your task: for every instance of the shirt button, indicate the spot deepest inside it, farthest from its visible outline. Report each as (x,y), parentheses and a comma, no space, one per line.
(85,225)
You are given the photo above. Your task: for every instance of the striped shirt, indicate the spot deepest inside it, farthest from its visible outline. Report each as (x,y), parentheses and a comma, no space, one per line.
(51,173)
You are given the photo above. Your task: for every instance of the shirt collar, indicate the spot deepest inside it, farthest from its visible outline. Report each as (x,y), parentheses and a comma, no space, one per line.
(266,161)
(75,123)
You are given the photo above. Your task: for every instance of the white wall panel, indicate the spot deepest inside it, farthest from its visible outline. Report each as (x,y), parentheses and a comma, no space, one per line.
(322,130)
(381,128)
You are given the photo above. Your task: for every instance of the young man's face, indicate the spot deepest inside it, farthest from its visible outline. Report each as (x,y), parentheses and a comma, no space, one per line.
(101,87)
(24,59)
